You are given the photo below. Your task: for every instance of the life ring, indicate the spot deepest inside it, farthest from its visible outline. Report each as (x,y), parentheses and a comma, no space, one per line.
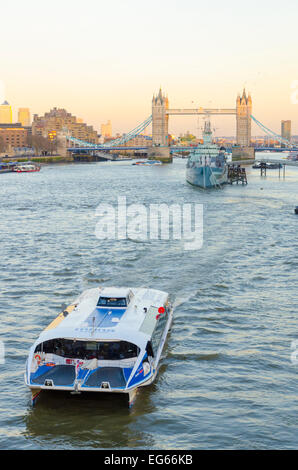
(38,361)
(161,311)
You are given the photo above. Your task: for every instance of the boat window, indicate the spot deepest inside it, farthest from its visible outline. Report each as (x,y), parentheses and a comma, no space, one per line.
(85,350)
(111,302)
(149,349)
(130,296)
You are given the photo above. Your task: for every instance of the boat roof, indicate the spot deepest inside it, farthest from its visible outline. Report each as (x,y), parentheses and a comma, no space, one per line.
(87,321)
(113,292)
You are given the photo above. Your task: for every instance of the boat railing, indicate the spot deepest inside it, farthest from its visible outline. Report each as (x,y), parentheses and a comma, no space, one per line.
(117,363)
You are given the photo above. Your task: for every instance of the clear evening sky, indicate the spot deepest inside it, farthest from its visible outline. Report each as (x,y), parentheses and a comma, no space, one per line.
(104,59)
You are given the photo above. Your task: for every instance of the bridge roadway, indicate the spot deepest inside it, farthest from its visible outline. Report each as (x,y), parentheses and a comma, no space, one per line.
(100,148)
(172,148)
(275,149)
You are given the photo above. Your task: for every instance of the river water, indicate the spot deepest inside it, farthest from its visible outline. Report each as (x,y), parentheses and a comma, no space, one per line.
(227,380)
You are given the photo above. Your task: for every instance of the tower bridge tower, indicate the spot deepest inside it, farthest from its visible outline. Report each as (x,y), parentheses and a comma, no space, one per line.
(243,119)
(160,119)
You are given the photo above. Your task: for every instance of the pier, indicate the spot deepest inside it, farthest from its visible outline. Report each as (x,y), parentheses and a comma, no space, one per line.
(236,174)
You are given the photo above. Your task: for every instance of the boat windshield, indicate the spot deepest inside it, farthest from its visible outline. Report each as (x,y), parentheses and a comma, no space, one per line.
(111,302)
(85,350)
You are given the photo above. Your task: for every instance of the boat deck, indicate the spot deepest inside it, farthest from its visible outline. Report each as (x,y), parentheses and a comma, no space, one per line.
(113,375)
(61,375)
(64,376)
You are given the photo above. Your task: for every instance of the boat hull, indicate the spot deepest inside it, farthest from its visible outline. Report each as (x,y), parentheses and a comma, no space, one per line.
(27,171)
(77,388)
(206,177)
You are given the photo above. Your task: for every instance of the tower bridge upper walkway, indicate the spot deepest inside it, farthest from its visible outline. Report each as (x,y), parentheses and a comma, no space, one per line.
(201,111)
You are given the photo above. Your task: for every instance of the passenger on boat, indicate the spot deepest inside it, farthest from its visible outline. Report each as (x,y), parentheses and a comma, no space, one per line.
(72,349)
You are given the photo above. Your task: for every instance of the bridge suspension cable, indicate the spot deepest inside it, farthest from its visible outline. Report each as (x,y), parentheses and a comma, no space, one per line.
(271,133)
(121,140)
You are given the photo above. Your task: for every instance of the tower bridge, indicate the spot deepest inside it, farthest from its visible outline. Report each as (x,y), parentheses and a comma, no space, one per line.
(161,112)
(159,119)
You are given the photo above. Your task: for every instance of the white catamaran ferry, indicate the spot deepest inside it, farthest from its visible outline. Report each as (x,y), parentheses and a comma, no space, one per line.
(107,340)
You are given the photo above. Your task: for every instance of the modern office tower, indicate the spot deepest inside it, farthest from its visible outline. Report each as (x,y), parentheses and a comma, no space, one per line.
(106,129)
(5,113)
(24,116)
(286,131)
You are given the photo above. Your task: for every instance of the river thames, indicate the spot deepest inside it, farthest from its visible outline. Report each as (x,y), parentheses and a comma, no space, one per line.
(227,380)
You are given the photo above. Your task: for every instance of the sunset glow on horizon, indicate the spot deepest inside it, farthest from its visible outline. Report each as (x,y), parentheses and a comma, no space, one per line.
(105,60)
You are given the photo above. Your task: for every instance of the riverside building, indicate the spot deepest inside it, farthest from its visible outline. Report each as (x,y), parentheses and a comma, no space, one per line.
(60,121)
(13,135)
